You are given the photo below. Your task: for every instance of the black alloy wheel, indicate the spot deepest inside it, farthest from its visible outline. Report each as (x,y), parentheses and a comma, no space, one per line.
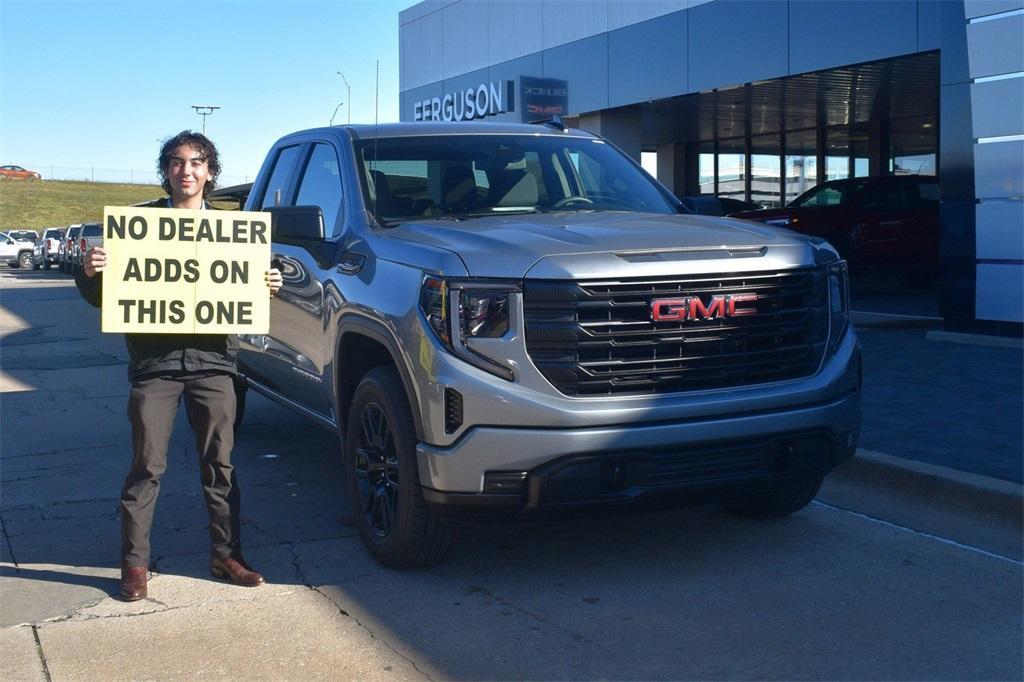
(377,471)
(382,477)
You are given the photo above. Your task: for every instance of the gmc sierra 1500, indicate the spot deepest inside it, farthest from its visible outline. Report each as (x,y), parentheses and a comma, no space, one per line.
(516,317)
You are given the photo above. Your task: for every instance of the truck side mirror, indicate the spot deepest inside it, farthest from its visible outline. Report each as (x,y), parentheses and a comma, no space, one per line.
(296,224)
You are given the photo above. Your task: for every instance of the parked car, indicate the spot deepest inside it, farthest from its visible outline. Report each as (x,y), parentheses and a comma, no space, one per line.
(886,223)
(66,252)
(17,254)
(50,241)
(91,235)
(23,235)
(11,171)
(717,206)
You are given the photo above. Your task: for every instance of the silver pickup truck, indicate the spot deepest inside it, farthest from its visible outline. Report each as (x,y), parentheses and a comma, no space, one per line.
(518,320)
(89,236)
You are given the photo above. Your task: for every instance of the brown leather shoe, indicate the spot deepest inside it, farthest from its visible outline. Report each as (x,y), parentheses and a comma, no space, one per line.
(133,582)
(235,570)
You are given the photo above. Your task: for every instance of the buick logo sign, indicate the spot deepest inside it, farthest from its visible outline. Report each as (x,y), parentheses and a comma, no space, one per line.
(694,308)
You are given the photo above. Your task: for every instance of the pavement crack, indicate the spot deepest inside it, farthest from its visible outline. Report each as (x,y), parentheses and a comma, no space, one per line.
(41,654)
(370,632)
(7,540)
(518,609)
(78,449)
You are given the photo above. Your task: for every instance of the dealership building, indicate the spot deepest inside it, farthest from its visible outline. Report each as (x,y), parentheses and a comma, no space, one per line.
(762,99)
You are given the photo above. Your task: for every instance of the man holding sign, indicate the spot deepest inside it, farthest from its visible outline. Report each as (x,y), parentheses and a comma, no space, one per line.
(181,282)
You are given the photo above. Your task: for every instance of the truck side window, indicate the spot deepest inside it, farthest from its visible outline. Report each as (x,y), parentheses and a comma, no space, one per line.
(321,186)
(279,178)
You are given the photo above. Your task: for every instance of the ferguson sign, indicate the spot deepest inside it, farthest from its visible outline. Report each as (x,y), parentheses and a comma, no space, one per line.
(486,99)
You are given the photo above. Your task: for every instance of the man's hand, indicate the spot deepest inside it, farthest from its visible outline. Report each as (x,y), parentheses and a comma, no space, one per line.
(95,260)
(273,277)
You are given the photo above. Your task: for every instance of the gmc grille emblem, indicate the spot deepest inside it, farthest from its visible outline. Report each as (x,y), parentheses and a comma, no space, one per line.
(693,308)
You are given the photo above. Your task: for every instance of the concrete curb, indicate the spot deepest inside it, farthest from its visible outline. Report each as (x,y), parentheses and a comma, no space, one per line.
(863,319)
(976,339)
(933,484)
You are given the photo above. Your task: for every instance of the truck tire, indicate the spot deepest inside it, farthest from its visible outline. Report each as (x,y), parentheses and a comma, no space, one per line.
(783,498)
(25,260)
(382,478)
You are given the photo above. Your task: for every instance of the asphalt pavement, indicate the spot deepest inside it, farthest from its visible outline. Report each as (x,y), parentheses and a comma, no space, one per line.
(909,565)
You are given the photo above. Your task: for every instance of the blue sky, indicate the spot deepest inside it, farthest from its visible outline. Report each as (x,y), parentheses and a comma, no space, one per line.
(99,84)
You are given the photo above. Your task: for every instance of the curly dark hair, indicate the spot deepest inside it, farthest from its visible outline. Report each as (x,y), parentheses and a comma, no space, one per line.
(198,142)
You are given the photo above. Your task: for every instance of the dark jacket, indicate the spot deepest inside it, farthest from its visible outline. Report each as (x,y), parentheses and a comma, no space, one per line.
(167,353)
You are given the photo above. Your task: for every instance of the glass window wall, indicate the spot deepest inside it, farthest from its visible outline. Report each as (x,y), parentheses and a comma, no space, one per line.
(912,145)
(801,163)
(706,171)
(837,153)
(766,170)
(732,169)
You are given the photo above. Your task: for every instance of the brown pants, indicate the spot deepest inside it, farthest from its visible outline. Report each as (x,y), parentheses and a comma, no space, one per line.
(210,401)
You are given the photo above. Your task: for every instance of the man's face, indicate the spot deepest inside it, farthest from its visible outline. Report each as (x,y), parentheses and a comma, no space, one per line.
(187,172)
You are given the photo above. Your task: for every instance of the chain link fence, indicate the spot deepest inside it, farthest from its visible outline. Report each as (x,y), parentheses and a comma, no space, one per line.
(129,176)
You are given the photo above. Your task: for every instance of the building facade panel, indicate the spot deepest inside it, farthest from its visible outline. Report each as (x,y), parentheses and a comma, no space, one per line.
(647,60)
(422,59)
(1000,227)
(828,34)
(999,170)
(465,45)
(995,47)
(627,12)
(736,41)
(929,24)
(513,32)
(422,9)
(981,8)
(1000,293)
(584,65)
(565,21)
(998,107)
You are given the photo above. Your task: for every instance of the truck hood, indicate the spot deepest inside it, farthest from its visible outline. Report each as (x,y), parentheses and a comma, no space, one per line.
(611,243)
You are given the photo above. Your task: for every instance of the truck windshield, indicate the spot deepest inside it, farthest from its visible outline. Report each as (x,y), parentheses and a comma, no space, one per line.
(475,175)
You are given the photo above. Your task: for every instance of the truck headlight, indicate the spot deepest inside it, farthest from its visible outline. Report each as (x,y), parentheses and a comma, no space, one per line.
(484,313)
(473,319)
(838,303)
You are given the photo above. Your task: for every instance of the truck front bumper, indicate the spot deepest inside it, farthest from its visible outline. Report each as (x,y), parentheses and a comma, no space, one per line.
(538,469)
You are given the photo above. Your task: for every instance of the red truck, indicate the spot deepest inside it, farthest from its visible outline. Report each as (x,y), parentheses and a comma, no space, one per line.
(884,223)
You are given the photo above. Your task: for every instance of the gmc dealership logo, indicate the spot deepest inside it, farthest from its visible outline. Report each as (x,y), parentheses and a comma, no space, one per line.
(693,308)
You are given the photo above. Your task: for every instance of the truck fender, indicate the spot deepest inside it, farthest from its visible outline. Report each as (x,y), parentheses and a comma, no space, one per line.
(377,332)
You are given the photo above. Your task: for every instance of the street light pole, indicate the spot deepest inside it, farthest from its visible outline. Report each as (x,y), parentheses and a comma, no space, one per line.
(204,110)
(335,112)
(348,95)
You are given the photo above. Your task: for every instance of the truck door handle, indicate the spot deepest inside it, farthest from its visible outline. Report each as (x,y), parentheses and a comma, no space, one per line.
(351,263)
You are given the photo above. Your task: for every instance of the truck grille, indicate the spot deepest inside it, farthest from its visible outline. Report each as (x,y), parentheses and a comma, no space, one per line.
(598,338)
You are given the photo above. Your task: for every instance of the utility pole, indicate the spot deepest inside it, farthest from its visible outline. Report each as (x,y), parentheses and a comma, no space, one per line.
(348,96)
(204,110)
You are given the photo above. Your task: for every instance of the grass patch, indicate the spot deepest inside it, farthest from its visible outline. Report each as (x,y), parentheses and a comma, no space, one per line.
(37,204)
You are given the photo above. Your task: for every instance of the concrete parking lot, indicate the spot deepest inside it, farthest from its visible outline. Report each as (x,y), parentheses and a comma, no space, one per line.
(896,572)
